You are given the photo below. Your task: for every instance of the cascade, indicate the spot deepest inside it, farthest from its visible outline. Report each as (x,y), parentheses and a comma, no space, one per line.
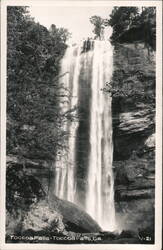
(65,160)
(99,196)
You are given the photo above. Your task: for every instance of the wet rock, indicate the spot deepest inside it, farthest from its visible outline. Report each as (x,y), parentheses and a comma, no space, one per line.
(74,218)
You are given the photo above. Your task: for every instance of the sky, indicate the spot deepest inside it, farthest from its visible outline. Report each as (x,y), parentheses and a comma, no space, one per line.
(74,18)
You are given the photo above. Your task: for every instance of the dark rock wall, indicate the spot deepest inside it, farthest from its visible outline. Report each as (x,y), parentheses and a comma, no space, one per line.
(133,136)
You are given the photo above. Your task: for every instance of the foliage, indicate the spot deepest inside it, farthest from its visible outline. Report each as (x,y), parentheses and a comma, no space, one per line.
(126,18)
(59,33)
(98,23)
(33,57)
(121,18)
(148,22)
(121,93)
(22,189)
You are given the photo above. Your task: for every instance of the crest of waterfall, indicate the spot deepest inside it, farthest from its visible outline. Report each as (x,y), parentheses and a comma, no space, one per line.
(95,67)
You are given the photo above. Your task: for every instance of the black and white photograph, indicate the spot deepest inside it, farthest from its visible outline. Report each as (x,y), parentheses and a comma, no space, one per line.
(81,124)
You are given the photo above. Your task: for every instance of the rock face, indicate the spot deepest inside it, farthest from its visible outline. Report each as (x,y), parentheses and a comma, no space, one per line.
(133,136)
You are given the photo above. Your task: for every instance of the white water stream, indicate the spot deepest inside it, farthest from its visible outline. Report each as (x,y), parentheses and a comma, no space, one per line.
(100,196)
(65,187)
(100,181)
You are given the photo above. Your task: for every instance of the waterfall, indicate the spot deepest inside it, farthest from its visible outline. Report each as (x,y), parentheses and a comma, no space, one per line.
(100,195)
(65,162)
(95,67)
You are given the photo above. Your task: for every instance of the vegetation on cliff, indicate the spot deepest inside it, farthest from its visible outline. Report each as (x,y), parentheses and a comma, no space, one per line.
(98,23)
(132,23)
(34,120)
(33,57)
(129,24)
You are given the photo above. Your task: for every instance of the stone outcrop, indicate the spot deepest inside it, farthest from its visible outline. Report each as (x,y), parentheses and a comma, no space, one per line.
(134,136)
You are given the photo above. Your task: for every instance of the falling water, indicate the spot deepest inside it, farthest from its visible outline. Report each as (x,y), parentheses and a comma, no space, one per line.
(65,162)
(96,66)
(100,196)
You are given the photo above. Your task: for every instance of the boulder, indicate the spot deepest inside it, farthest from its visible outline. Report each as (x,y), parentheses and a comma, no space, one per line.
(74,218)
(54,216)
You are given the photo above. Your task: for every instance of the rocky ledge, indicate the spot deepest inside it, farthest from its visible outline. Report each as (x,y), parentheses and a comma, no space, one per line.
(134,135)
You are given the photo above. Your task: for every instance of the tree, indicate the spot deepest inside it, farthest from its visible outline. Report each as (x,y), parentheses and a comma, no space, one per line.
(33,63)
(121,19)
(98,23)
(148,24)
(61,33)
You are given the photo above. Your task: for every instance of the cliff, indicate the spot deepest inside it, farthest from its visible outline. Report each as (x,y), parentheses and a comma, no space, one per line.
(133,136)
